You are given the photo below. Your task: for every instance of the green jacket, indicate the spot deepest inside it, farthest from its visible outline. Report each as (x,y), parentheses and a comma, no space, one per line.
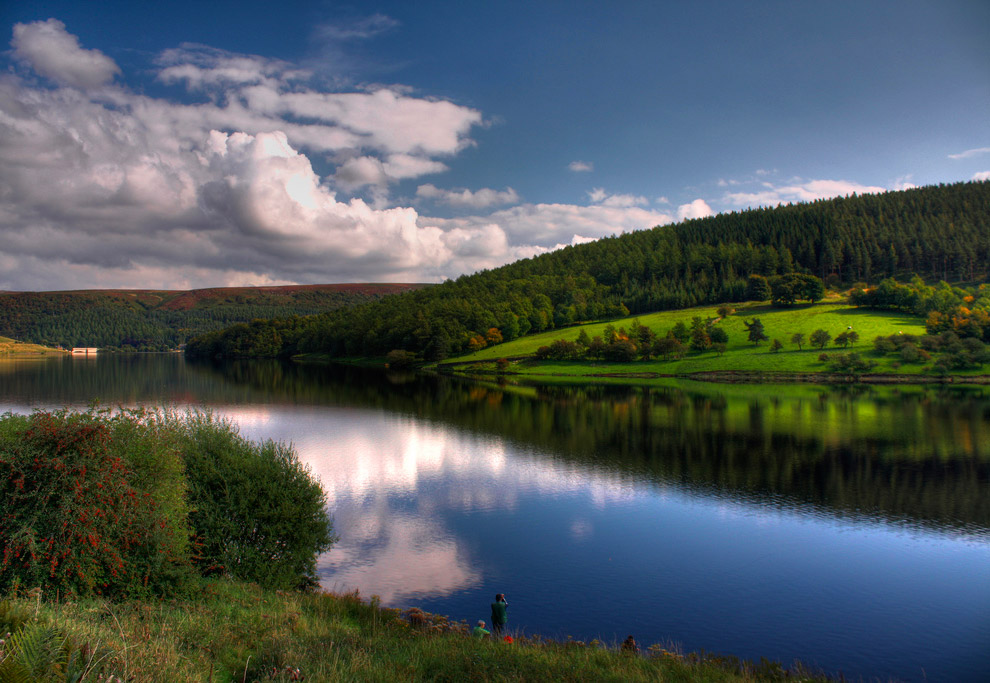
(499,613)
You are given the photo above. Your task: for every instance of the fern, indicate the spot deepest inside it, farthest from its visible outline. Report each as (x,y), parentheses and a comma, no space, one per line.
(35,652)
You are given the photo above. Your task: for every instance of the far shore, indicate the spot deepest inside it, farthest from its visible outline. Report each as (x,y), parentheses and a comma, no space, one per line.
(486,369)
(10,348)
(747,377)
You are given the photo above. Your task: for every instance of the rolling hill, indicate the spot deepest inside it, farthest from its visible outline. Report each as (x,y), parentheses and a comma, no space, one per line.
(939,233)
(157,320)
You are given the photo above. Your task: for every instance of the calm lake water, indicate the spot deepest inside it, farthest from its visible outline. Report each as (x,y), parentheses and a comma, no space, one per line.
(845,527)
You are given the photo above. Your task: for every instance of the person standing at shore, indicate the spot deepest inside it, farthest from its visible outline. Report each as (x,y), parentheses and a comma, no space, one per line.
(499,616)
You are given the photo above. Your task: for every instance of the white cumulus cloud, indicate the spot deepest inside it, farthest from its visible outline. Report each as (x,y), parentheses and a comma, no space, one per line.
(479,199)
(982,175)
(696,209)
(103,186)
(54,53)
(541,227)
(581,166)
(600,196)
(799,190)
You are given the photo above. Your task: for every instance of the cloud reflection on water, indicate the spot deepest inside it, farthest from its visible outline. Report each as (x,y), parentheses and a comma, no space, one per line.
(391,481)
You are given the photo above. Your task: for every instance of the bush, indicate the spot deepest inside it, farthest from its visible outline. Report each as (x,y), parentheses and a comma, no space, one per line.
(851,362)
(561,349)
(912,354)
(883,345)
(620,351)
(258,514)
(718,335)
(820,338)
(92,503)
(397,359)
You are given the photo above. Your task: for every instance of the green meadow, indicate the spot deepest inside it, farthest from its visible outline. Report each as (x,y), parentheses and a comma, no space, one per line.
(740,354)
(12,347)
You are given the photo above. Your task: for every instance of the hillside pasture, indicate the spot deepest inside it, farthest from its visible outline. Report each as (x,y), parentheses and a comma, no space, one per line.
(12,347)
(740,354)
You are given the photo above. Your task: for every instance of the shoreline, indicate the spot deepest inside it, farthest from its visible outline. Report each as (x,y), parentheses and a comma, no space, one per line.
(736,376)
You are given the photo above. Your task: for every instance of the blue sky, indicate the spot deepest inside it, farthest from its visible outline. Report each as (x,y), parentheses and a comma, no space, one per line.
(181,145)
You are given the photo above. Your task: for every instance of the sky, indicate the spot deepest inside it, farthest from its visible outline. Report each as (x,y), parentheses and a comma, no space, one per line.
(178,145)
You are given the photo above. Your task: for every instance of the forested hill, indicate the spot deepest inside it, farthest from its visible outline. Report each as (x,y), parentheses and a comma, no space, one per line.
(939,232)
(157,320)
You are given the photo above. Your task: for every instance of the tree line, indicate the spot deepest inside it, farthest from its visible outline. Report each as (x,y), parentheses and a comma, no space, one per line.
(144,320)
(938,233)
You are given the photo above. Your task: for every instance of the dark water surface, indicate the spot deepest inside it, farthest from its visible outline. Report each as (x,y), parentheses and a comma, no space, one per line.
(845,527)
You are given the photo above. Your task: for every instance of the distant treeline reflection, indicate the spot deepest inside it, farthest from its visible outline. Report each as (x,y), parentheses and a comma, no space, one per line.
(918,456)
(909,455)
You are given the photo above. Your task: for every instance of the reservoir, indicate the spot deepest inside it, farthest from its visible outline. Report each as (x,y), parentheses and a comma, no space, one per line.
(846,527)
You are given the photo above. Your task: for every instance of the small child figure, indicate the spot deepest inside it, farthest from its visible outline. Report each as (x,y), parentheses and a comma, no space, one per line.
(480,631)
(629,645)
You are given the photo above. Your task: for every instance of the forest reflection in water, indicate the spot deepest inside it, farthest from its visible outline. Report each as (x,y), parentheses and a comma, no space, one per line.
(910,455)
(846,526)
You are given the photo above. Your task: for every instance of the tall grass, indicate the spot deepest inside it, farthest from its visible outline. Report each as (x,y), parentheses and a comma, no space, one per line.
(240,632)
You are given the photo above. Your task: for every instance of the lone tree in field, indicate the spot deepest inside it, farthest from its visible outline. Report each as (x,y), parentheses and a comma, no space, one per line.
(820,338)
(797,339)
(776,346)
(788,288)
(718,335)
(755,331)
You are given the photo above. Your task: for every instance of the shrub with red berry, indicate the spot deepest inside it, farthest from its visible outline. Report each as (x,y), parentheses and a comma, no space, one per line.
(91,503)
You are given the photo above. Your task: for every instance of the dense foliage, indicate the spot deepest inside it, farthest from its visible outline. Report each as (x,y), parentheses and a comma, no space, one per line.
(641,341)
(90,504)
(257,512)
(146,320)
(940,232)
(964,311)
(136,502)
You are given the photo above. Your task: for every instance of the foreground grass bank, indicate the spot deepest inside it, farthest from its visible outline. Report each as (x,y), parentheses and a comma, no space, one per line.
(239,632)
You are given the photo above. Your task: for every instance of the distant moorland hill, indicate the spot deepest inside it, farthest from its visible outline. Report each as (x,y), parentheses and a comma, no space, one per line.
(939,233)
(157,320)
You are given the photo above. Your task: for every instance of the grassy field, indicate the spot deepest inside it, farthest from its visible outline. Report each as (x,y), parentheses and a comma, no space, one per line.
(740,354)
(237,632)
(11,347)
